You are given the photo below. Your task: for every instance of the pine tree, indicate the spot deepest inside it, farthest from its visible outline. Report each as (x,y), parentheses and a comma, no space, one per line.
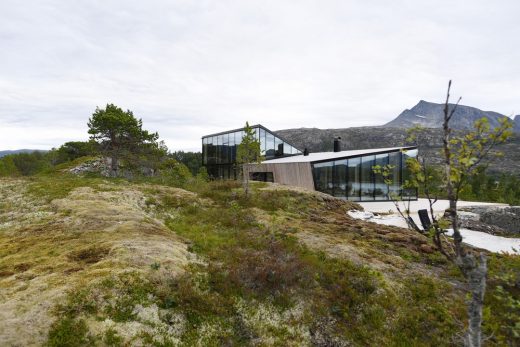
(248,153)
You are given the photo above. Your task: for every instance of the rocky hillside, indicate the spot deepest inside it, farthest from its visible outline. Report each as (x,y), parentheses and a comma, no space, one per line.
(430,115)
(318,140)
(102,262)
(426,114)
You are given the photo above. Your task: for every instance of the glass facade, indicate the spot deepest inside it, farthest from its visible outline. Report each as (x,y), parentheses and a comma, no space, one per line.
(410,154)
(219,150)
(354,178)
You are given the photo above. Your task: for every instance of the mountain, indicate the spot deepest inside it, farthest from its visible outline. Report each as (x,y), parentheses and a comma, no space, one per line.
(394,134)
(16,151)
(430,115)
(320,140)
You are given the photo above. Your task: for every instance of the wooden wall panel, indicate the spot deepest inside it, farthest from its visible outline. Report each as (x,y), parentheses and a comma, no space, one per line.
(292,174)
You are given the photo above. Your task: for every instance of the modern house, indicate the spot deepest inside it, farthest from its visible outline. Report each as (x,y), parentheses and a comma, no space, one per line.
(219,150)
(344,174)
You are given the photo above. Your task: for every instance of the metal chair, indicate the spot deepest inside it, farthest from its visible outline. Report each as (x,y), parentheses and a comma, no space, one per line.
(425,219)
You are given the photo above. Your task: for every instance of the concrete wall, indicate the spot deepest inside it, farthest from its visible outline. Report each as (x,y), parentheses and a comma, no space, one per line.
(293,174)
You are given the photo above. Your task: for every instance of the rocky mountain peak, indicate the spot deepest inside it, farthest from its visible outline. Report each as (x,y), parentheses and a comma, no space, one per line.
(430,115)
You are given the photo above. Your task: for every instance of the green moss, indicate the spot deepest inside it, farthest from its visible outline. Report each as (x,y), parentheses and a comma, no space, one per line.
(68,332)
(111,338)
(502,301)
(49,188)
(251,254)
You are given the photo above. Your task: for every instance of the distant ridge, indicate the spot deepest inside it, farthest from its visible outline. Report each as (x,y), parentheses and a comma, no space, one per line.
(430,115)
(16,151)
(393,134)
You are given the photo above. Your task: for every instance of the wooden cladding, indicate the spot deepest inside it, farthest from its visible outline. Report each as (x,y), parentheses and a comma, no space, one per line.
(293,174)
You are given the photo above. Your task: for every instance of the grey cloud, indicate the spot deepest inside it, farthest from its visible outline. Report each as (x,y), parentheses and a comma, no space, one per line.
(193,67)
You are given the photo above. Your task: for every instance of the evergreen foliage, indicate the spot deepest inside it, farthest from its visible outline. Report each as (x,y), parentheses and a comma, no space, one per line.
(121,137)
(193,160)
(248,152)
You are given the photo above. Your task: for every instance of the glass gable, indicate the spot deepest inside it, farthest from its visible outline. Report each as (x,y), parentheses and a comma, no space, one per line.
(219,151)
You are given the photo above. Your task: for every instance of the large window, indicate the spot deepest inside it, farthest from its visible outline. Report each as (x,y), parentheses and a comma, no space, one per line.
(323,177)
(380,187)
(269,146)
(354,179)
(340,178)
(367,178)
(262,141)
(205,150)
(394,160)
(408,192)
(211,150)
(278,146)
(224,159)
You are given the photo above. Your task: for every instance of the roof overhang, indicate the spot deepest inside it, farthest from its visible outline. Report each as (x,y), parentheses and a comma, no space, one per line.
(328,156)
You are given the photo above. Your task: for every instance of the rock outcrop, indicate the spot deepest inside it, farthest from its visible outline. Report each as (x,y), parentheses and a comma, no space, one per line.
(98,165)
(494,220)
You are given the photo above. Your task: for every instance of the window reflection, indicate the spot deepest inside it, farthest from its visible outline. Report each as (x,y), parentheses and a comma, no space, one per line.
(323,177)
(394,160)
(408,193)
(269,146)
(367,182)
(354,179)
(219,151)
(262,141)
(380,186)
(340,178)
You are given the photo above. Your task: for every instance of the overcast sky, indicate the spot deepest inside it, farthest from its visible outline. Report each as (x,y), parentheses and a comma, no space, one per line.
(192,67)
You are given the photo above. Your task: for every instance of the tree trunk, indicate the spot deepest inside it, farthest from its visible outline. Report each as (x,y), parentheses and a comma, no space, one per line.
(114,165)
(475,272)
(245,181)
(115,151)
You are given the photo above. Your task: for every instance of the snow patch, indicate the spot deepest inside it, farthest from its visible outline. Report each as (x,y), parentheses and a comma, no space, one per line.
(492,243)
(489,242)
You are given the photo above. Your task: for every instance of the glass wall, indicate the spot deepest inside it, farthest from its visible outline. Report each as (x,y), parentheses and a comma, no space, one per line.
(394,162)
(367,178)
(380,187)
(340,178)
(323,177)
(354,178)
(219,151)
(408,155)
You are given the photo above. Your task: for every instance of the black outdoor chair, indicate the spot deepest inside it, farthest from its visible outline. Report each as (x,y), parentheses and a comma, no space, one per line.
(411,223)
(425,219)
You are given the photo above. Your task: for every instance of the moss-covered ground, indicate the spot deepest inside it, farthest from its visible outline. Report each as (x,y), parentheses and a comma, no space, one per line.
(87,261)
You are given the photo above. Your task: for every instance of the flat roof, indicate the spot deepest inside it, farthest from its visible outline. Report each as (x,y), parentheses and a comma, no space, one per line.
(326,156)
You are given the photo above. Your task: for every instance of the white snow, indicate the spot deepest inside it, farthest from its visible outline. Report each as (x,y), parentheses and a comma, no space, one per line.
(478,239)
(490,242)
(438,207)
